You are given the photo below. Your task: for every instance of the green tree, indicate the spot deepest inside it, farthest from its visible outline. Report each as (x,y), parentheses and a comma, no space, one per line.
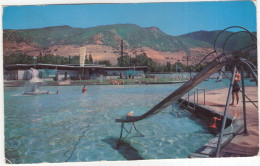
(90,59)
(18,58)
(199,67)
(40,58)
(143,60)
(105,62)
(86,59)
(75,60)
(168,67)
(123,61)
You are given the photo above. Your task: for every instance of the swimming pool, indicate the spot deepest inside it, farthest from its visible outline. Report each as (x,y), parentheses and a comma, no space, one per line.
(74,127)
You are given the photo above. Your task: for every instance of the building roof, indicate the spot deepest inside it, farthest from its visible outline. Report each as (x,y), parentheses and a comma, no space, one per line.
(67,67)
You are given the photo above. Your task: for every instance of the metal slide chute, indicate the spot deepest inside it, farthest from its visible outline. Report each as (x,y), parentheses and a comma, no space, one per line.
(211,68)
(220,61)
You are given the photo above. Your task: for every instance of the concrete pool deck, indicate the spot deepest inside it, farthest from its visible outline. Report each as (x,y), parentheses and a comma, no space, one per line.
(240,145)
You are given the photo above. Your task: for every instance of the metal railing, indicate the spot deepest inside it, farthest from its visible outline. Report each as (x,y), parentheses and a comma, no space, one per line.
(194,93)
(204,94)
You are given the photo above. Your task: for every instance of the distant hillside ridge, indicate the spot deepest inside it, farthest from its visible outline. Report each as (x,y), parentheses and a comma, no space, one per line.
(104,42)
(110,35)
(235,42)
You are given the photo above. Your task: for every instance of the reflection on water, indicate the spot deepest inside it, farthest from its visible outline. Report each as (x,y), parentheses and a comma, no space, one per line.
(75,126)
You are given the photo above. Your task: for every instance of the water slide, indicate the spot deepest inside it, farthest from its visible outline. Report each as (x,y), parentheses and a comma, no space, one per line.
(211,68)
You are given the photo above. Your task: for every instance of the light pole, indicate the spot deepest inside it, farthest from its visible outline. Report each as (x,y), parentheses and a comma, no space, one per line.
(34,60)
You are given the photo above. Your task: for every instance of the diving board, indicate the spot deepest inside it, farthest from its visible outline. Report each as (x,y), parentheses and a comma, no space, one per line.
(211,68)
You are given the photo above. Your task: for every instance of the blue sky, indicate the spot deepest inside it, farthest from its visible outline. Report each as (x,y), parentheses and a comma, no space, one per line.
(171,18)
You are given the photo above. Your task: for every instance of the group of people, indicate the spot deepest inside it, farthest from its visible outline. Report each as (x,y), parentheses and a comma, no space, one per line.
(117,82)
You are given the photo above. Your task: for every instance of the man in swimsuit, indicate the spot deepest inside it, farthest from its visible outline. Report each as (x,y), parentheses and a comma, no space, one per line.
(236,88)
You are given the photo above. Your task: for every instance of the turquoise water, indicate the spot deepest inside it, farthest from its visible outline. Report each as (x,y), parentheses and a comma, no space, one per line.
(73,126)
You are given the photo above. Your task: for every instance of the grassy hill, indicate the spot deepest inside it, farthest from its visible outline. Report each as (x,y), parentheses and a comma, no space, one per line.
(103,42)
(235,42)
(110,35)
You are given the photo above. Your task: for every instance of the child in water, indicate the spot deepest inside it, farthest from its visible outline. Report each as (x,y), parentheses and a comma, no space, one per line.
(84,89)
(213,121)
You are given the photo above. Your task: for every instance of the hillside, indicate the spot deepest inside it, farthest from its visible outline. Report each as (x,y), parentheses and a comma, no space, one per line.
(103,42)
(133,35)
(235,42)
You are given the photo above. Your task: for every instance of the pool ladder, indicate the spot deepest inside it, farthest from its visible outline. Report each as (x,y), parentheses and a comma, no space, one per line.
(195,101)
(196,93)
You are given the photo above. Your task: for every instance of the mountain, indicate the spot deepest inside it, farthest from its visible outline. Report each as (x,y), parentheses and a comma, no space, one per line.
(110,35)
(103,42)
(234,41)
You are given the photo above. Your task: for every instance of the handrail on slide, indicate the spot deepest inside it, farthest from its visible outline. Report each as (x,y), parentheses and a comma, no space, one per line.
(211,68)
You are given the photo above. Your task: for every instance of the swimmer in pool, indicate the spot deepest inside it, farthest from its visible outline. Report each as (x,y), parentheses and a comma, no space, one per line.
(213,122)
(84,89)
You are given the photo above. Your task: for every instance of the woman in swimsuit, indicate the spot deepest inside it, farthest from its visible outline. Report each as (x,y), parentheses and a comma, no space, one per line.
(236,88)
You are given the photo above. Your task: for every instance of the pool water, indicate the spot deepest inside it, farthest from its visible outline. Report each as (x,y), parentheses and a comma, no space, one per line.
(73,126)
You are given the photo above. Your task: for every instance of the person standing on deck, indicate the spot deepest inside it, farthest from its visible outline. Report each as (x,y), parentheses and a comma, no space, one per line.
(236,89)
